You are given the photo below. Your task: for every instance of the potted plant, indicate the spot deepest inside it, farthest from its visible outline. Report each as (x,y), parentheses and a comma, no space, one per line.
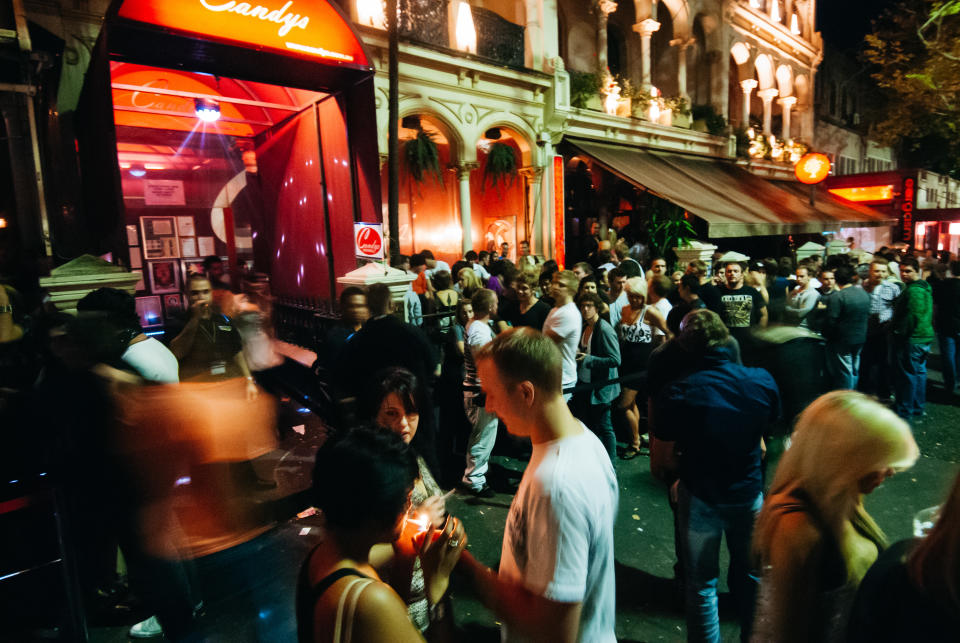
(706,119)
(501,166)
(584,87)
(421,159)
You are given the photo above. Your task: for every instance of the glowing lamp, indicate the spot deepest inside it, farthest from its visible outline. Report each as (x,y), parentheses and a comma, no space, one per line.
(138,171)
(207,110)
(3,223)
(921,230)
(465,31)
(812,168)
(954,229)
(371,13)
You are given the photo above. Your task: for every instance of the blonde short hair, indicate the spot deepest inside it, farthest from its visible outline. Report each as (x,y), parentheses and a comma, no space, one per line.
(636,286)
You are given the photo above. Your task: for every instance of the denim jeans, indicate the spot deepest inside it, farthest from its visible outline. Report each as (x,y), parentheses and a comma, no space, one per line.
(843,365)
(950,360)
(483,435)
(602,426)
(702,525)
(910,377)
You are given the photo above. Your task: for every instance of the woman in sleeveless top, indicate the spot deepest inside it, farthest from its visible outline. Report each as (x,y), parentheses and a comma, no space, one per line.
(393,401)
(813,539)
(635,331)
(362,484)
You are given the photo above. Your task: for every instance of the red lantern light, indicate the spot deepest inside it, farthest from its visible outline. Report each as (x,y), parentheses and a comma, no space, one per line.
(812,168)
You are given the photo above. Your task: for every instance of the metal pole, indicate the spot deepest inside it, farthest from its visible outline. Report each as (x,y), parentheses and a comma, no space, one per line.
(393,114)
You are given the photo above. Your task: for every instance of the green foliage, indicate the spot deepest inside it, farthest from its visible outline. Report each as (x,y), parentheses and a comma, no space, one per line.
(678,104)
(715,122)
(422,158)
(501,166)
(583,87)
(914,54)
(669,229)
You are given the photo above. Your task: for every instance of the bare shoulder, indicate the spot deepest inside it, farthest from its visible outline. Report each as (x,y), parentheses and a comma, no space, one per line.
(381,615)
(796,539)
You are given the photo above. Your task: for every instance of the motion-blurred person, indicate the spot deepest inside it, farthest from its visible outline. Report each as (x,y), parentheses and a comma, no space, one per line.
(556,573)
(709,433)
(912,592)
(814,539)
(363,483)
(911,336)
(149,358)
(353,315)
(214,271)
(637,321)
(209,346)
(875,376)
(845,329)
(598,358)
(393,401)
(564,323)
(483,424)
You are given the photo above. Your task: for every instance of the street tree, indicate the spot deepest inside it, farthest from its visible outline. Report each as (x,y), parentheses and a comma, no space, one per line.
(914,53)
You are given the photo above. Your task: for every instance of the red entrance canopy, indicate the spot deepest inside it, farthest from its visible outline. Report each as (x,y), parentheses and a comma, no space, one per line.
(312,29)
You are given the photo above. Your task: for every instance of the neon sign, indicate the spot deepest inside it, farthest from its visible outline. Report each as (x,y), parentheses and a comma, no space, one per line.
(313,29)
(558,212)
(867,193)
(906,210)
(812,168)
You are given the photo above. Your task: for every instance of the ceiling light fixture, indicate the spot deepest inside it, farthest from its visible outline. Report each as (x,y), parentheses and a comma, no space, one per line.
(207,110)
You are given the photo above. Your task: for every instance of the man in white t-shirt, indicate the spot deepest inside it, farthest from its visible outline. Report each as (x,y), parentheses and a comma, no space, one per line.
(564,324)
(433,265)
(556,579)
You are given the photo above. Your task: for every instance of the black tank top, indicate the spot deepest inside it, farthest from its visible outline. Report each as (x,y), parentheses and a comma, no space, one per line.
(307,596)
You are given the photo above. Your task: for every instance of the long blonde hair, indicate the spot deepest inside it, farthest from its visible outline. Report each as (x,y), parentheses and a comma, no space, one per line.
(840,438)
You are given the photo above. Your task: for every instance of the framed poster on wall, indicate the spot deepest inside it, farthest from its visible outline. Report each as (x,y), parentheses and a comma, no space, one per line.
(160,239)
(164,276)
(172,305)
(191,267)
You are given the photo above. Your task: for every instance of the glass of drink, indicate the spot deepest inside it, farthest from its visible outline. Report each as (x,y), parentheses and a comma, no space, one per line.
(924,520)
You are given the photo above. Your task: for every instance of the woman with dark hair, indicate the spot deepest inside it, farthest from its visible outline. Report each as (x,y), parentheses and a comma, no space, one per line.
(393,404)
(598,358)
(362,484)
(912,592)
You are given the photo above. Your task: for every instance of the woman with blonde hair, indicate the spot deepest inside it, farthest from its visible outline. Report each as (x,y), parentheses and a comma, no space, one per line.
(469,282)
(813,538)
(635,330)
(912,592)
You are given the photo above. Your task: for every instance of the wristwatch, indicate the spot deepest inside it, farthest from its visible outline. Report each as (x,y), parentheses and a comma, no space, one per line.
(6,308)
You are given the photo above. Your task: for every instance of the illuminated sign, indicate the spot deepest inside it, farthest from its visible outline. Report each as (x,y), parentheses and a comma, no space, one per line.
(558,212)
(954,229)
(313,29)
(906,210)
(368,240)
(812,168)
(868,193)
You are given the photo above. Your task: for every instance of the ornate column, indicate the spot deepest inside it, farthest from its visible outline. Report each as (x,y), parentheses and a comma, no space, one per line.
(645,29)
(466,222)
(767,96)
(603,8)
(534,178)
(786,104)
(682,46)
(747,86)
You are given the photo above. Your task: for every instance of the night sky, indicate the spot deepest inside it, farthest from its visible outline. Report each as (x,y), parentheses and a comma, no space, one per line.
(844,23)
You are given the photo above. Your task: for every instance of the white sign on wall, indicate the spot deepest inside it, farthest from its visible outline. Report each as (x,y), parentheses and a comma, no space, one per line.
(163,192)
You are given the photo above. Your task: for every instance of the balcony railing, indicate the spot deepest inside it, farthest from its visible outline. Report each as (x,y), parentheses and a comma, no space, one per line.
(498,39)
(425,21)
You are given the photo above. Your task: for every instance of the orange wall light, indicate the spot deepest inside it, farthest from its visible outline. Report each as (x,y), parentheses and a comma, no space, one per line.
(867,193)
(812,168)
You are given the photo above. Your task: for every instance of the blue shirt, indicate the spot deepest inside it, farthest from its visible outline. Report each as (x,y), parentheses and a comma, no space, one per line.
(717,417)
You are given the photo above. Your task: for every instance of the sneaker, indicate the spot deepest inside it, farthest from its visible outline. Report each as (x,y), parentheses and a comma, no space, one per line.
(147,629)
(483,492)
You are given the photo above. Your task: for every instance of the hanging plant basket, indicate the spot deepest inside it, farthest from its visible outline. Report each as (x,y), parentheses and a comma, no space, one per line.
(501,166)
(421,158)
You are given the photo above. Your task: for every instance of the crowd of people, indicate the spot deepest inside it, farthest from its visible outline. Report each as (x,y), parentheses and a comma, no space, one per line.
(685,366)
(670,360)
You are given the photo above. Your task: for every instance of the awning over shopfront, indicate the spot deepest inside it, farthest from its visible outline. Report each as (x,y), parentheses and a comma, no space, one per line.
(733,202)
